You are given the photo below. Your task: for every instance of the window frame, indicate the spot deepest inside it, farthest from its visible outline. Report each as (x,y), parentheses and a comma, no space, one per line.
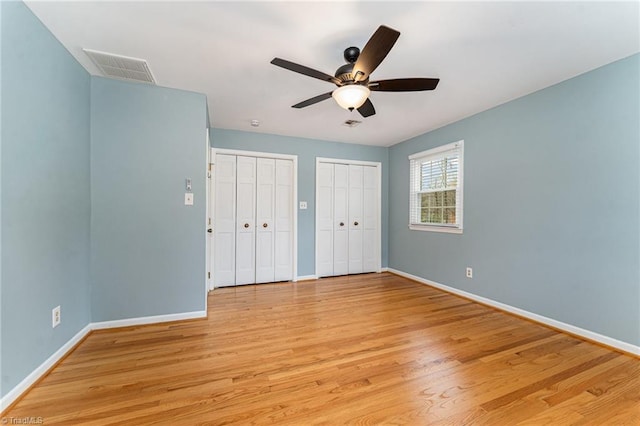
(419,157)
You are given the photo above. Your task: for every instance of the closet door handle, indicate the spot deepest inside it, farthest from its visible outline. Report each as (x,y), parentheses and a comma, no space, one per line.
(246,225)
(355,223)
(264,225)
(341,223)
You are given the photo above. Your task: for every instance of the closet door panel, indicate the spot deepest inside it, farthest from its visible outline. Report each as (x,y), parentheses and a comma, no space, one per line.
(265,223)
(370,219)
(324,210)
(224,214)
(355,219)
(245,223)
(284,211)
(341,219)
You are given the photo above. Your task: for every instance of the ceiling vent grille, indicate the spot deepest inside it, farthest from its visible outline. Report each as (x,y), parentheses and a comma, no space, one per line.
(351,123)
(122,67)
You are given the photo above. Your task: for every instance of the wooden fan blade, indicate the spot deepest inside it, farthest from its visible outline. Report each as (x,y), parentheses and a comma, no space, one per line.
(301,69)
(404,84)
(367,109)
(374,52)
(313,100)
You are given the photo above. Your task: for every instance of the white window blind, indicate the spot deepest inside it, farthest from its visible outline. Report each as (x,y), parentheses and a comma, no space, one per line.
(436,189)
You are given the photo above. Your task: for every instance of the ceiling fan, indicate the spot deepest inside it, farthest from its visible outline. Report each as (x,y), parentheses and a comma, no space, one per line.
(352,78)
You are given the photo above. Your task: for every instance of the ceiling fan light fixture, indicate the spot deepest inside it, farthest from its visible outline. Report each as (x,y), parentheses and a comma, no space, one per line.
(351,96)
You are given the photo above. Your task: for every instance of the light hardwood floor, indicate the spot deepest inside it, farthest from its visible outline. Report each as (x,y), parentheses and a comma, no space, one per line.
(367,349)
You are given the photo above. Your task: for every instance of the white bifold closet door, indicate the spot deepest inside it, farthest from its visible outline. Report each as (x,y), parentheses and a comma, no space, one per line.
(253,220)
(324,219)
(355,219)
(284,221)
(341,219)
(265,212)
(246,221)
(224,213)
(347,219)
(370,231)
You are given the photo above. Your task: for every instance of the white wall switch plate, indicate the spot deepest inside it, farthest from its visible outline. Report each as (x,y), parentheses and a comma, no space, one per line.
(188,199)
(303,205)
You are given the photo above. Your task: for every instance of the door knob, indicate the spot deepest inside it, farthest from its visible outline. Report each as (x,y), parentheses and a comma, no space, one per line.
(341,223)
(355,223)
(246,225)
(264,225)
(209,230)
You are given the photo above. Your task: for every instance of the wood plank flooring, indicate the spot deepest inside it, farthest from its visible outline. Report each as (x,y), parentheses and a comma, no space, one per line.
(367,349)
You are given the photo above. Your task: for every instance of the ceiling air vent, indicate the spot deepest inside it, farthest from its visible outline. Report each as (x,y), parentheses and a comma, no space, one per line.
(351,123)
(123,67)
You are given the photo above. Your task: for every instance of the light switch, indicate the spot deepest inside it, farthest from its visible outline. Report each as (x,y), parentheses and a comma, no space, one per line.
(303,205)
(188,199)
(188,184)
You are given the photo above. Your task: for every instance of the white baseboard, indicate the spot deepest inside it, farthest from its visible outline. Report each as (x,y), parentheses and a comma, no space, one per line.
(147,320)
(315,277)
(572,329)
(36,374)
(306,277)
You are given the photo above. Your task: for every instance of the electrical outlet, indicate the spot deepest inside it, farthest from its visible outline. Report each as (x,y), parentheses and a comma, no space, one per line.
(469,272)
(55,316)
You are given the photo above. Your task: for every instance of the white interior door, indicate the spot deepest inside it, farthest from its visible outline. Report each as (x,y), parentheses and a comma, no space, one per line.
(284,219)
(340,219)
(245,220)
(224,227)
(265,223)
(370,214)
(324,219)
(355,218)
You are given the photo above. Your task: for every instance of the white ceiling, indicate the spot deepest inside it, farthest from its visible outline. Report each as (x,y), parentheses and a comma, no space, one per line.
(484,53)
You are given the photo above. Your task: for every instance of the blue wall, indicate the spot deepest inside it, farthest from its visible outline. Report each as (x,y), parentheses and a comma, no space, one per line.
(147,247)
(307,150)
(551,204)
(45,194)
(92,191)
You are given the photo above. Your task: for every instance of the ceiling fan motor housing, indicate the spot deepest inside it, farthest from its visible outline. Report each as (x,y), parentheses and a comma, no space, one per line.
(344,73)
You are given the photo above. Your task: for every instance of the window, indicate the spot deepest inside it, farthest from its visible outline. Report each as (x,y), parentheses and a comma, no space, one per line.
(436,189)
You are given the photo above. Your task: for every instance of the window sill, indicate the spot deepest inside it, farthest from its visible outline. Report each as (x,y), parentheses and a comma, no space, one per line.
(431,228)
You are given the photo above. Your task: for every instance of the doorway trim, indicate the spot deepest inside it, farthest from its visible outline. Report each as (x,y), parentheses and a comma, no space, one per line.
(208,282)
(294,205)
